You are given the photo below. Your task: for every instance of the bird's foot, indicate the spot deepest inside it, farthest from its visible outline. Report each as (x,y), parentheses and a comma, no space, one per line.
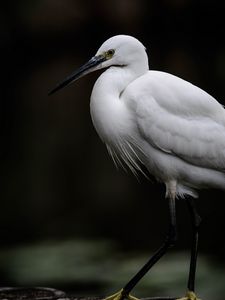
(120,296)
(189,296)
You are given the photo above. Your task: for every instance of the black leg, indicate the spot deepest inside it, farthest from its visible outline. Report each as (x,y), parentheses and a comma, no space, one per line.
(168,243)
(196,221)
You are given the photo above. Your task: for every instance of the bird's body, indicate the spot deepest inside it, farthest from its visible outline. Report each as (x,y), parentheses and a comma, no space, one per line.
(155,119)
(161,121)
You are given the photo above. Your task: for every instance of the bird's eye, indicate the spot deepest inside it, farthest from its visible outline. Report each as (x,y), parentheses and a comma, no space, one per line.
(110,53)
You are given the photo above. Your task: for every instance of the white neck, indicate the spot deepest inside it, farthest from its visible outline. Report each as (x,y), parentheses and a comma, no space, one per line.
(107,106)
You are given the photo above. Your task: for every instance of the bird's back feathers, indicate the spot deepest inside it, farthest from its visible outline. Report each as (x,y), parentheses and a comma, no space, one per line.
(179,118)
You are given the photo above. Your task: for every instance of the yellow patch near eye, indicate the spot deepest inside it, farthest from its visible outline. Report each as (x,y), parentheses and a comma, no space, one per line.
(109,54)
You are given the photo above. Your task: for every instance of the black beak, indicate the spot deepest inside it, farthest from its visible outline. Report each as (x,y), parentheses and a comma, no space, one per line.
(85,69)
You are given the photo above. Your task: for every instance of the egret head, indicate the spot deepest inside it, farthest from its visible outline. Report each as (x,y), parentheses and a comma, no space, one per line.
(122,50)
(119,51)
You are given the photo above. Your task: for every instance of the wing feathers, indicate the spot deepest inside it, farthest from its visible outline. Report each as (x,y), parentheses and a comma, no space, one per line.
(178,118)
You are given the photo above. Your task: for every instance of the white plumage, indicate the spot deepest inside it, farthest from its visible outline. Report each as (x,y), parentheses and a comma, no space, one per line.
(154,118)
(158,120)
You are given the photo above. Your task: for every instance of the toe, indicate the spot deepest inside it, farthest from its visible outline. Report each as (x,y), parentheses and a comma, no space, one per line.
(120,296)
(189,296)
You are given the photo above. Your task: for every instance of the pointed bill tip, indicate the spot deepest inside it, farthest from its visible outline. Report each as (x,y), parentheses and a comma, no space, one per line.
(51,92)
(85,69)
(58,87)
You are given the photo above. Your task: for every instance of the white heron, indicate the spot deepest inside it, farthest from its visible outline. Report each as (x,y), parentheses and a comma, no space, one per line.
(155,119)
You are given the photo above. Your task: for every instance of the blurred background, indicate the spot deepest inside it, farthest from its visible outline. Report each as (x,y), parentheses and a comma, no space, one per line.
(69,219)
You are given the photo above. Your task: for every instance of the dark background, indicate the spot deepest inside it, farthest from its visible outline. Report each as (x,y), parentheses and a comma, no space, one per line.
(57,180)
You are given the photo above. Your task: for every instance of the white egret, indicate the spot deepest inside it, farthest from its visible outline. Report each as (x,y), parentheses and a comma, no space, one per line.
(161,121)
